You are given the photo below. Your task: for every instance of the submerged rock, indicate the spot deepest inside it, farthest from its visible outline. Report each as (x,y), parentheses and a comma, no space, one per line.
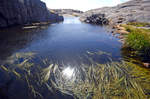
(20,12)
(146,65)
(131,11)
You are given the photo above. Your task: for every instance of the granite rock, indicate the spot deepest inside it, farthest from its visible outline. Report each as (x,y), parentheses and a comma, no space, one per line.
(20,12)
(63,12)
(131,11)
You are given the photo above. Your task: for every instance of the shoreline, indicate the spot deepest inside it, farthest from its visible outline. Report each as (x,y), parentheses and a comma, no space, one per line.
(31,25)
(123,35)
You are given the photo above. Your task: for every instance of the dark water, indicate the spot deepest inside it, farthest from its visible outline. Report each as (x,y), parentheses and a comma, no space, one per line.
(70,42)
(65,41)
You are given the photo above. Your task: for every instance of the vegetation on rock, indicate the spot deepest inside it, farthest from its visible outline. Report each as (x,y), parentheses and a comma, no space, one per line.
(139,24)
(138,39)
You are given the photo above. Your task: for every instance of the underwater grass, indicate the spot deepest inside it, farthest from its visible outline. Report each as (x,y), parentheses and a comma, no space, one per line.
(115,80)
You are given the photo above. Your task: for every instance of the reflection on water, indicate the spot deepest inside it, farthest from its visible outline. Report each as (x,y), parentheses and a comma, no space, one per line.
(14,39)
(69,72)
(65,61)
(59,81)
(70,21)
(64,42)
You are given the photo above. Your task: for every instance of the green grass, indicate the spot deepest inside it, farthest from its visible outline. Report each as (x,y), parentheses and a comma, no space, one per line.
(138,39)
(139,24)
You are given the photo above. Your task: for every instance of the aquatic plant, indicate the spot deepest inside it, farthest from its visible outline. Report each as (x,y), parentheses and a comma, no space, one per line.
(115,80)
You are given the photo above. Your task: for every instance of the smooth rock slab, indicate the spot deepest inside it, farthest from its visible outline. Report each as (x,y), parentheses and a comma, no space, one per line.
(131,11)
(19,12)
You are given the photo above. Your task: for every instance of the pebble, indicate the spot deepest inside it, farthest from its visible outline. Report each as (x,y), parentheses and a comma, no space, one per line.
(146,65)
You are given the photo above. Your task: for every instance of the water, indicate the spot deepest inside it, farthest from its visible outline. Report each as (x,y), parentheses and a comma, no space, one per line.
(64,61)
(65,41)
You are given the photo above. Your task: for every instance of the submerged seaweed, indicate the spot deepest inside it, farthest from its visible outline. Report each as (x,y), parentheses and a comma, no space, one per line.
(115,80)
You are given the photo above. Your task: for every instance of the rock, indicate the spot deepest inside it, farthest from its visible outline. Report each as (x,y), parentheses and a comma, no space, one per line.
(98,19)
(146,65)
(65,12)
(116,26)
(20,12)
(121,28)
(120,37)
(131,11)
(122,32)
(122,41)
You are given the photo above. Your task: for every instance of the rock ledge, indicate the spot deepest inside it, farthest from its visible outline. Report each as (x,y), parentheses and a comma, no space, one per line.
(20,12)
(131,11)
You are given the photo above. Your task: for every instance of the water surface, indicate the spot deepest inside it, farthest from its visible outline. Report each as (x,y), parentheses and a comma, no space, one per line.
(65,41)
(62,52)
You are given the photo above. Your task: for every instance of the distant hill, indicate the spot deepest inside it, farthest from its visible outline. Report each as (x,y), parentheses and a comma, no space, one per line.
(67,12)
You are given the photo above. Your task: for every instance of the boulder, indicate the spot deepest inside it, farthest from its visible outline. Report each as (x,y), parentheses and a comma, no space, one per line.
(98,19)
(146,65)
(20,12)
(122,32)
(121,28)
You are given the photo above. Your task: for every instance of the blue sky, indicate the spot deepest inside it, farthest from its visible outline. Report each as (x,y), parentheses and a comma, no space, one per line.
(83,5)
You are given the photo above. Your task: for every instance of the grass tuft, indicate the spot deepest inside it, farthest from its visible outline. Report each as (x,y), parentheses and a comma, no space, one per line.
(139,24)
(138,40)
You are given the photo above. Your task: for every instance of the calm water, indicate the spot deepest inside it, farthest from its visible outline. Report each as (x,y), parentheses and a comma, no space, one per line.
(65,41)
(70,43)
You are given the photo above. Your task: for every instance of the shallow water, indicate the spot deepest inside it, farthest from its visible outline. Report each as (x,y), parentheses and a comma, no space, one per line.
(65,41)
(67,60)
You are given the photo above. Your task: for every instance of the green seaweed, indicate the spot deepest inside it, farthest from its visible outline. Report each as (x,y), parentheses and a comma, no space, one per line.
(115,80)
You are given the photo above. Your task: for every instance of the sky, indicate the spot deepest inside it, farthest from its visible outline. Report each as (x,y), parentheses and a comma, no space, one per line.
(82,5)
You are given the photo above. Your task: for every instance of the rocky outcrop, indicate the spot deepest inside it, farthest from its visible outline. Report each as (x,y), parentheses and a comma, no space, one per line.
(19,12)
(96,19)
(67,12)
(131,11)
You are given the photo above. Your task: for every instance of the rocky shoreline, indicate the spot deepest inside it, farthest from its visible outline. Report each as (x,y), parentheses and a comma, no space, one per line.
(131,11)
(114,17)
(21,12)
(64,12)
(118,29)
(122,14)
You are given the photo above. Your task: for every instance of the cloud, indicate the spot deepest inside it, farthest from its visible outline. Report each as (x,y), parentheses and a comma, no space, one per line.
(81,4)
